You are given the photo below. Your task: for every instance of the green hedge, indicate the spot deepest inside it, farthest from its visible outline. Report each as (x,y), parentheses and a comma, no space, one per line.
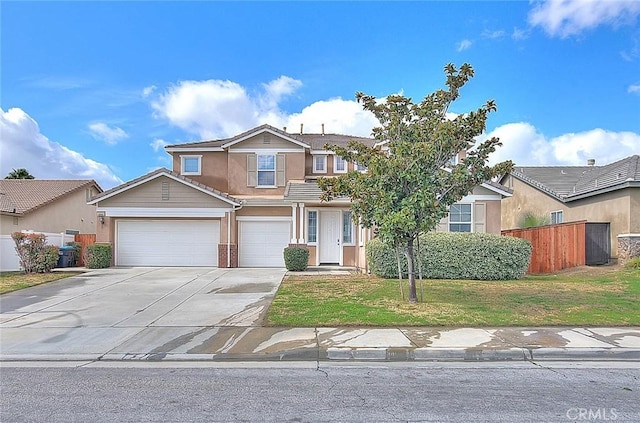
(296,258)
(98,256)
(457,256)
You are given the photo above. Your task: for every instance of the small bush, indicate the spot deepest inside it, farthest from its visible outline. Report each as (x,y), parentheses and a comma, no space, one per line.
(34,254)
(98,256)
(296,258)
(633,264)
(457,256)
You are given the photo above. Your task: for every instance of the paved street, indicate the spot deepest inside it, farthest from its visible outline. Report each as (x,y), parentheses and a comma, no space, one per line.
(300,392)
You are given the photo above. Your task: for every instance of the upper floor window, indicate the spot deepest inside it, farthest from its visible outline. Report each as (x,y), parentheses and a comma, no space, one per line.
(460,218)
(556,217)
(191,165)
(266,170)
(339,164)
(359,167)
(320,164)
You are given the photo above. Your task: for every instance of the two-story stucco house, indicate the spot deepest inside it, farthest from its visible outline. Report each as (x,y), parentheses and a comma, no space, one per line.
(239,201)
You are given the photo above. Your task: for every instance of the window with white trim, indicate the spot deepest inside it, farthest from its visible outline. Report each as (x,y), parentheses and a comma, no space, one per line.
(191,165)
(460,218)
(557,217)
(339,165)
(312,226)
(266,170)
(347,227)
(359,168)
(320,164)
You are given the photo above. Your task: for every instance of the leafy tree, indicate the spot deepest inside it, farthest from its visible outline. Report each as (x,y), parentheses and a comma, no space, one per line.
(411,182)
(21,173)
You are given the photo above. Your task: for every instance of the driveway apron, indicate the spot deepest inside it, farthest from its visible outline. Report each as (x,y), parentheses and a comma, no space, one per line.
(112,310)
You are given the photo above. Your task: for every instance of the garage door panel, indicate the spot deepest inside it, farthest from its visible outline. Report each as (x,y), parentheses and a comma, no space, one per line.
(167,242)
(261,243)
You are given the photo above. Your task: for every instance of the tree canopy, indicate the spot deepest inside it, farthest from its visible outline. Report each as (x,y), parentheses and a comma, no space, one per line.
(21,173)
(411,179)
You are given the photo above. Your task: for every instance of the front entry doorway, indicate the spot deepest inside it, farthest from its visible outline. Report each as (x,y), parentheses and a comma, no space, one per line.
(330,237)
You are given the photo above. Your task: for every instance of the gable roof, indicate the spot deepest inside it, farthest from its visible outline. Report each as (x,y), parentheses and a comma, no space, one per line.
(23,196)
(569,183)
(311,141)
(173,175)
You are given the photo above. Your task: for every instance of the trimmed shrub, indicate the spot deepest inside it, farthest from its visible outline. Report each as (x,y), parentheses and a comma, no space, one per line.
(34,254)
(296,258)
(98,256)
(457,256)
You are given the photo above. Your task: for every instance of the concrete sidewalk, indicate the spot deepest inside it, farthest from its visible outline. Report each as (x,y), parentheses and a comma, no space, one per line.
(233,343)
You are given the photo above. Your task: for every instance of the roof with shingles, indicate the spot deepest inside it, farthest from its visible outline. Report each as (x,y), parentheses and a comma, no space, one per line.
(567,183)
(26,195)
(314,141)
(158,172)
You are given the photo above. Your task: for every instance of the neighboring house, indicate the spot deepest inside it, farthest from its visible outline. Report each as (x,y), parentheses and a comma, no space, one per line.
(240,201)
(45,206)
(603,194)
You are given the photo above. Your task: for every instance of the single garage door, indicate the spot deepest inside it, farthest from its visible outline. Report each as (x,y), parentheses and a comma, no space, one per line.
(167,242)
(262,242)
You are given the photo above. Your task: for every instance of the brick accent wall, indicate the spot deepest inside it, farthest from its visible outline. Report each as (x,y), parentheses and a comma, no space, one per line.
(222,255)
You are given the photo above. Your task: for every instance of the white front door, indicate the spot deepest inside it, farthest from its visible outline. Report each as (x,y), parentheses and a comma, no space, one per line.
(330,237)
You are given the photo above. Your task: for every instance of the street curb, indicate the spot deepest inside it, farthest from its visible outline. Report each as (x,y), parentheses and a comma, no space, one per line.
(343,354)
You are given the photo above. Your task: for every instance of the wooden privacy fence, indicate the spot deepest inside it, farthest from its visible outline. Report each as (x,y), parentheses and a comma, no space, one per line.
(85,240)
(555,247)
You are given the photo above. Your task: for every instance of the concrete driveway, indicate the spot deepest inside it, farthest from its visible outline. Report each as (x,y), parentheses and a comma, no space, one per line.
(130,311)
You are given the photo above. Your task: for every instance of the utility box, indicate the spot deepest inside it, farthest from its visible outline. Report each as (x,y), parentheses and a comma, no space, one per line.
(66,256)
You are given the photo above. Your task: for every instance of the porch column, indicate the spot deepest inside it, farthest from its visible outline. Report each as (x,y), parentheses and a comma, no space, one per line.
(293,223)
(301,239)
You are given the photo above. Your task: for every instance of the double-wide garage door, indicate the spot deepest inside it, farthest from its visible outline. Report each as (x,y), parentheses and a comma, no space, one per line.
(167,242)
(261,242)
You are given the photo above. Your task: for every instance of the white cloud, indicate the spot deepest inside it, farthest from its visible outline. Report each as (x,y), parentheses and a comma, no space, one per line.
(102,131)
(526,146)
(147,91)
(217,109)
(634,88)
(158,144)
(463,45)
(565,18)
(493,34)
(519,34)
(23,146)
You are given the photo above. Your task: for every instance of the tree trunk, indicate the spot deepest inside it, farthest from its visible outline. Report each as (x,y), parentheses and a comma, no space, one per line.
(413,295)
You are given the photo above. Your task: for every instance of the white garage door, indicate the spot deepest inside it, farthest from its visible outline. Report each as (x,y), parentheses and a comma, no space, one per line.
(167,242)
(262,242)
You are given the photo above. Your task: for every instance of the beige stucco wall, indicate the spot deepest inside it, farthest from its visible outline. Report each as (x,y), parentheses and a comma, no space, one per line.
(149,194)
(214,168)
(308,166)
(70,212)
(616,207)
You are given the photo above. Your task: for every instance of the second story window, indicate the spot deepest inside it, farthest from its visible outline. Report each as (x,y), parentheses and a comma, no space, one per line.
(266,171)
(339,165)
(191,165)
(319,164)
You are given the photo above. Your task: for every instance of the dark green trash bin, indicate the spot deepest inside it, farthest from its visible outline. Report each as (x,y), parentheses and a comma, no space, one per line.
(66,256)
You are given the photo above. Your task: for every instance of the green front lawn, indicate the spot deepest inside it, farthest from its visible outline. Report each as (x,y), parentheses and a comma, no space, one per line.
(586,297)
(13,281)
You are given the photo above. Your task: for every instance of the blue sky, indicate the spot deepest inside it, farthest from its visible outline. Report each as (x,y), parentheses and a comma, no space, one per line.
(96,89)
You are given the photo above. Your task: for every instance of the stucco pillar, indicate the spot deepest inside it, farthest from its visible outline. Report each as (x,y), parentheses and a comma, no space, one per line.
(301,238)
(294,226)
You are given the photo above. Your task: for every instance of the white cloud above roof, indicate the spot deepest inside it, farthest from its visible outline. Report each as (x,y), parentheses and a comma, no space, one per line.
(463,45)
(110,135)
(565,18)
(214,109)
(526,146)
(22,145)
